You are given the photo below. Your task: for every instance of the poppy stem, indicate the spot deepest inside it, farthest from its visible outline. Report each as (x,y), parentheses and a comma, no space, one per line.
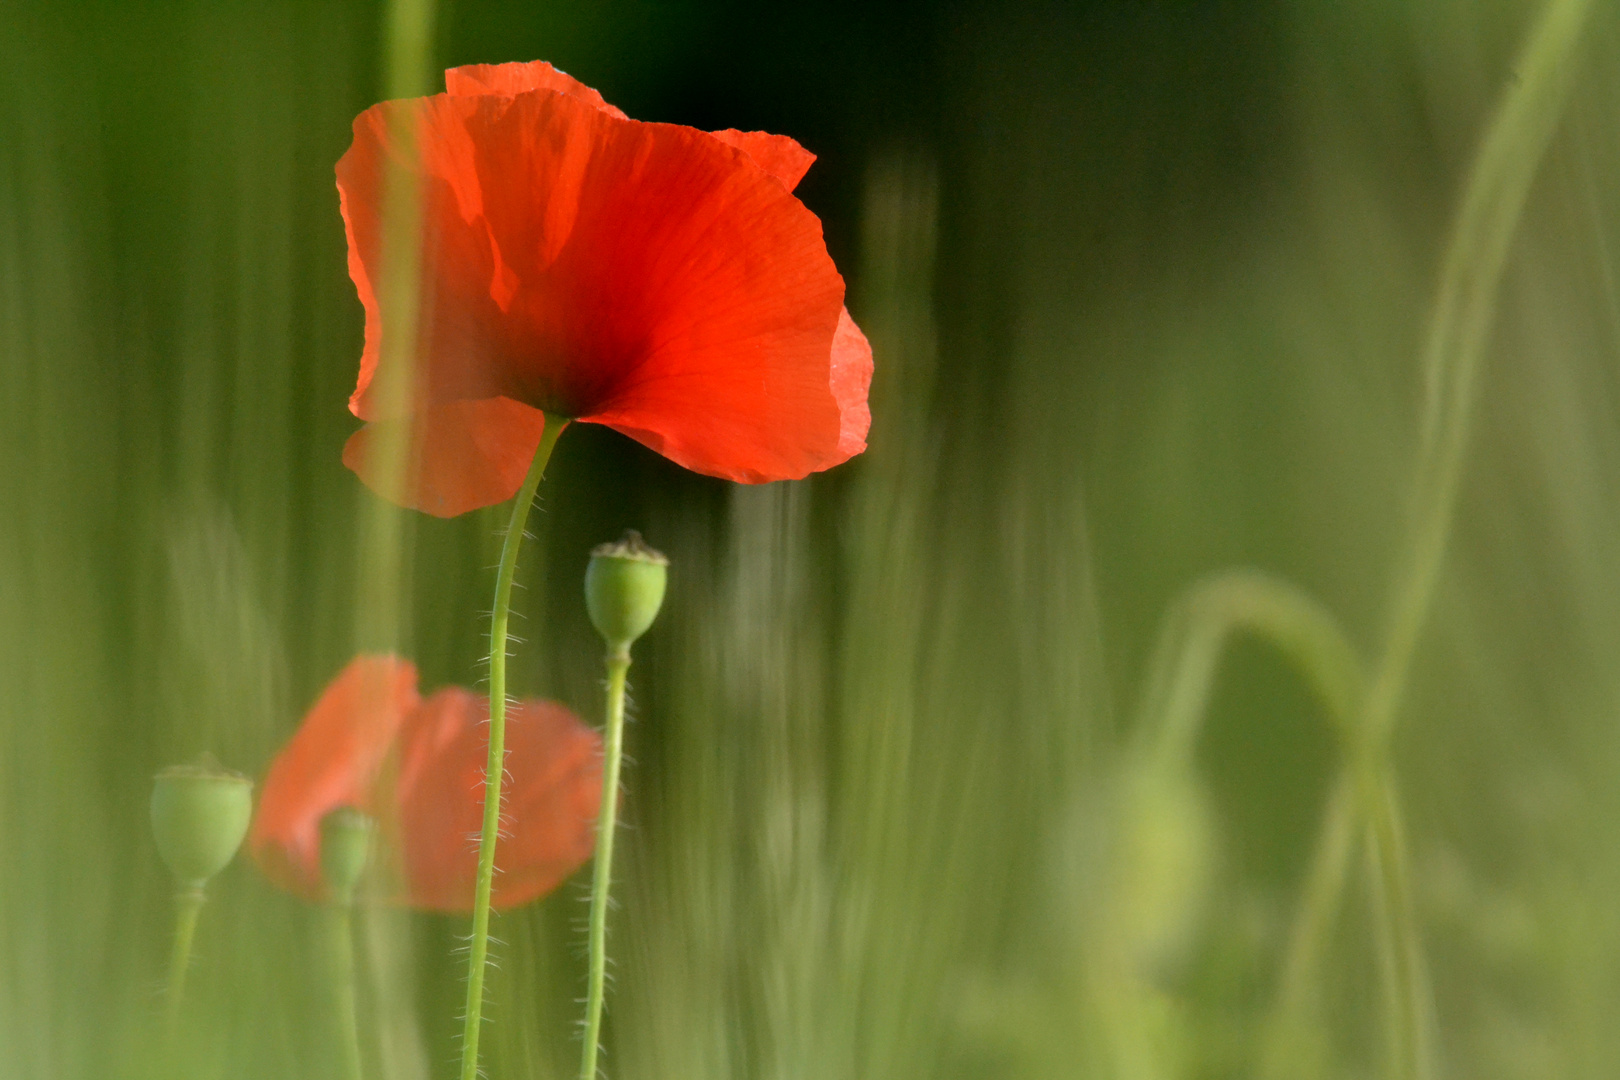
(188,905)
(494,769)
(340,954)
(618,666)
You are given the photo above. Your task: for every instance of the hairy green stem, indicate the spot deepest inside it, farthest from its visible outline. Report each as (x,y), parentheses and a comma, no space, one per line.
(495,764)
(340,958)
(188,904)
(618,666)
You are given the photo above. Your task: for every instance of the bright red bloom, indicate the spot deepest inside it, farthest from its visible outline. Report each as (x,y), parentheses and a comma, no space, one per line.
(370,723)
(657,279)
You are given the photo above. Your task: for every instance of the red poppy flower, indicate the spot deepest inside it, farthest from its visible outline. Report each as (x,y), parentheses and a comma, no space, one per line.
(371,716)
(658,279)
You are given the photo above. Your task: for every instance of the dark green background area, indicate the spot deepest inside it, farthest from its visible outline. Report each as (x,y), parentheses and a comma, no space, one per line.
(1147,285)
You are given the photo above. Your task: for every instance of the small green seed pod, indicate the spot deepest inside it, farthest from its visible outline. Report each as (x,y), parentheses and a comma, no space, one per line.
(346,836)
(200,814)
(1161,865)
(624,588)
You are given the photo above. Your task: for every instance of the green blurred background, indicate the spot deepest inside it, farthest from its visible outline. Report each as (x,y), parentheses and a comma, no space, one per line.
(1147,284)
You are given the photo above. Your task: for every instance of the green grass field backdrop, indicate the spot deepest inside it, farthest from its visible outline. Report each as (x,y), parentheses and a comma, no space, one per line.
(1149,287)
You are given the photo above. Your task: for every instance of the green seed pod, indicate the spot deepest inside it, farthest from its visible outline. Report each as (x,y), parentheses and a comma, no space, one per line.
(1134,867)
(1163,863)
(200,814)
(346,836)
(624,588)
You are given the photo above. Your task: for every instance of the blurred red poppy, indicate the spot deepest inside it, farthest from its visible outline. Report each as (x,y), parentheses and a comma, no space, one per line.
(371,717)
(657,279)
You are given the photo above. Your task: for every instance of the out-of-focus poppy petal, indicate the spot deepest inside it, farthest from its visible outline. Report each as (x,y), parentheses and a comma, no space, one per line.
(851,379)
(778,155)
(331,761)
(552,801)
(473,80)
(462,455)
(548,823)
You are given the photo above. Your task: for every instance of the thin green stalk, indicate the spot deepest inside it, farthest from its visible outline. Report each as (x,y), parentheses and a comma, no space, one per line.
(1493,202)
(188,905)
(386,552)
(1291,1046)
(1173,711)
(618,666)
(1406,995)
(408,48)
(408,27)
(340,955)
(495,765)
(1364,803)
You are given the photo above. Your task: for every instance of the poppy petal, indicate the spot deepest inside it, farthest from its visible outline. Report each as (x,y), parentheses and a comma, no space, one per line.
(552,802)
(458,310)
(660,289)
(462,455)
(693,301)
(472,80)
(653,278)
(331,761)
(851,379)
(549,819)
(778,155)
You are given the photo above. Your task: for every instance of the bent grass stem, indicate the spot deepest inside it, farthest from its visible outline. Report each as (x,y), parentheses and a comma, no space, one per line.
(1173,711)
(1290,1047)
(495,764)
(1406,993)
(1493,202)
(1190,649)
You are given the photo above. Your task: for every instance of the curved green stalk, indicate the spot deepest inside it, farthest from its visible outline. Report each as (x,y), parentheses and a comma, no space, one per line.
(1289,1043)
(1363,803)
(495,764)
(1182,676)
(1493,202)
(1184,666)
(1407,1002)
(618,666)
